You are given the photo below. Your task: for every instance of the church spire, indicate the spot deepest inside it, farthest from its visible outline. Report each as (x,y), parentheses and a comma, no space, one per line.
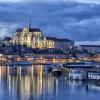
(30,23)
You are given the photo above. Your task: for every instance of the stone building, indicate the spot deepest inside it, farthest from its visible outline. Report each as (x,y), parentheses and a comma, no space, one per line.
(34,38)
(31,37)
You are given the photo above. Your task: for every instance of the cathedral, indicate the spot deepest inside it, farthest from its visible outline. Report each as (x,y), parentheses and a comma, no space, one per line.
(34,38)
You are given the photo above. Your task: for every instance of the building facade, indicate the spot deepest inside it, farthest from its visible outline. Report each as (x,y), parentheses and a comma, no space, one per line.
(63,44)
(31,37)
(34,38)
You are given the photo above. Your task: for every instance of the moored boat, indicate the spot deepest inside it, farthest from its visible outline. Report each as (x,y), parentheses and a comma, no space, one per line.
(56,73)
(77,74)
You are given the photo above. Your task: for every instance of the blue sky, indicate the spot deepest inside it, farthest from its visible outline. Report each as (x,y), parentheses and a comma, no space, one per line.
(75,19)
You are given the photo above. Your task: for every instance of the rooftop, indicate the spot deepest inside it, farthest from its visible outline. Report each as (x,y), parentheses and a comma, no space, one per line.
(7,39)
(58,39)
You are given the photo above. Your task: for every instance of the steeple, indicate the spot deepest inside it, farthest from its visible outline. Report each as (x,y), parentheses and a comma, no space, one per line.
(30,23)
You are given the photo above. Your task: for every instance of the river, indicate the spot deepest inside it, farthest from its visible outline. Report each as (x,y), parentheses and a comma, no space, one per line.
(32,83)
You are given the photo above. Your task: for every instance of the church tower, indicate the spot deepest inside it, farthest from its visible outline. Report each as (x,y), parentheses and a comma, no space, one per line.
(30,23)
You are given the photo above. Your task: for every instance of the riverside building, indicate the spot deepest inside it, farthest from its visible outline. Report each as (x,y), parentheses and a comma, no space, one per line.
(34,38)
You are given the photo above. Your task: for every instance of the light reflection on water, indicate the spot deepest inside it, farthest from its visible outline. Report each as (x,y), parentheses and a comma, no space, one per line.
(31,83)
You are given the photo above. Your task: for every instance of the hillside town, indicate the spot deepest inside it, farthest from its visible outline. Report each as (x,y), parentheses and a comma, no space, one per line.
(32,42)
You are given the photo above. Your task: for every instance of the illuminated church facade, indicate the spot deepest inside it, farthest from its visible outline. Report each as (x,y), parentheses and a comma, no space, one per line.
(34,38)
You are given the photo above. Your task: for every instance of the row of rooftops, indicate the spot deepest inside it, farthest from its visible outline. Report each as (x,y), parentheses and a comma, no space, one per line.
(58,39)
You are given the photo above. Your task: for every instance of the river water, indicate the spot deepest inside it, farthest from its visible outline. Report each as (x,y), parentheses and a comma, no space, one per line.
(32,83)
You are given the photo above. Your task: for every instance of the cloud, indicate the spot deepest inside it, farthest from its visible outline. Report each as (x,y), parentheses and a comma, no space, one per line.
(77,21)
(50,1)
(88,1)
(13,1)
(5,29)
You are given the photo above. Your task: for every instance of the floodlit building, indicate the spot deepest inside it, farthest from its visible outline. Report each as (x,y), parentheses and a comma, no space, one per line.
(31,37)
(34,38)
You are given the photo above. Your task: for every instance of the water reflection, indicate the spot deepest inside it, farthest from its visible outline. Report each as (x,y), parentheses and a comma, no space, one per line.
(31,83)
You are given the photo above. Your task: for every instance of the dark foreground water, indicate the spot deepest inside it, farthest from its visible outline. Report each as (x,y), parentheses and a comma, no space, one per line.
(31,83)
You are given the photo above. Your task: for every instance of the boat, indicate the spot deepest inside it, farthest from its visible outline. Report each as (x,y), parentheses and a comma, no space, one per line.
(94,75)
(56,73)
(77,74)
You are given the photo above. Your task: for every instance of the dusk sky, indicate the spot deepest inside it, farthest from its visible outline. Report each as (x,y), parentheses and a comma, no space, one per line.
(74,19)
